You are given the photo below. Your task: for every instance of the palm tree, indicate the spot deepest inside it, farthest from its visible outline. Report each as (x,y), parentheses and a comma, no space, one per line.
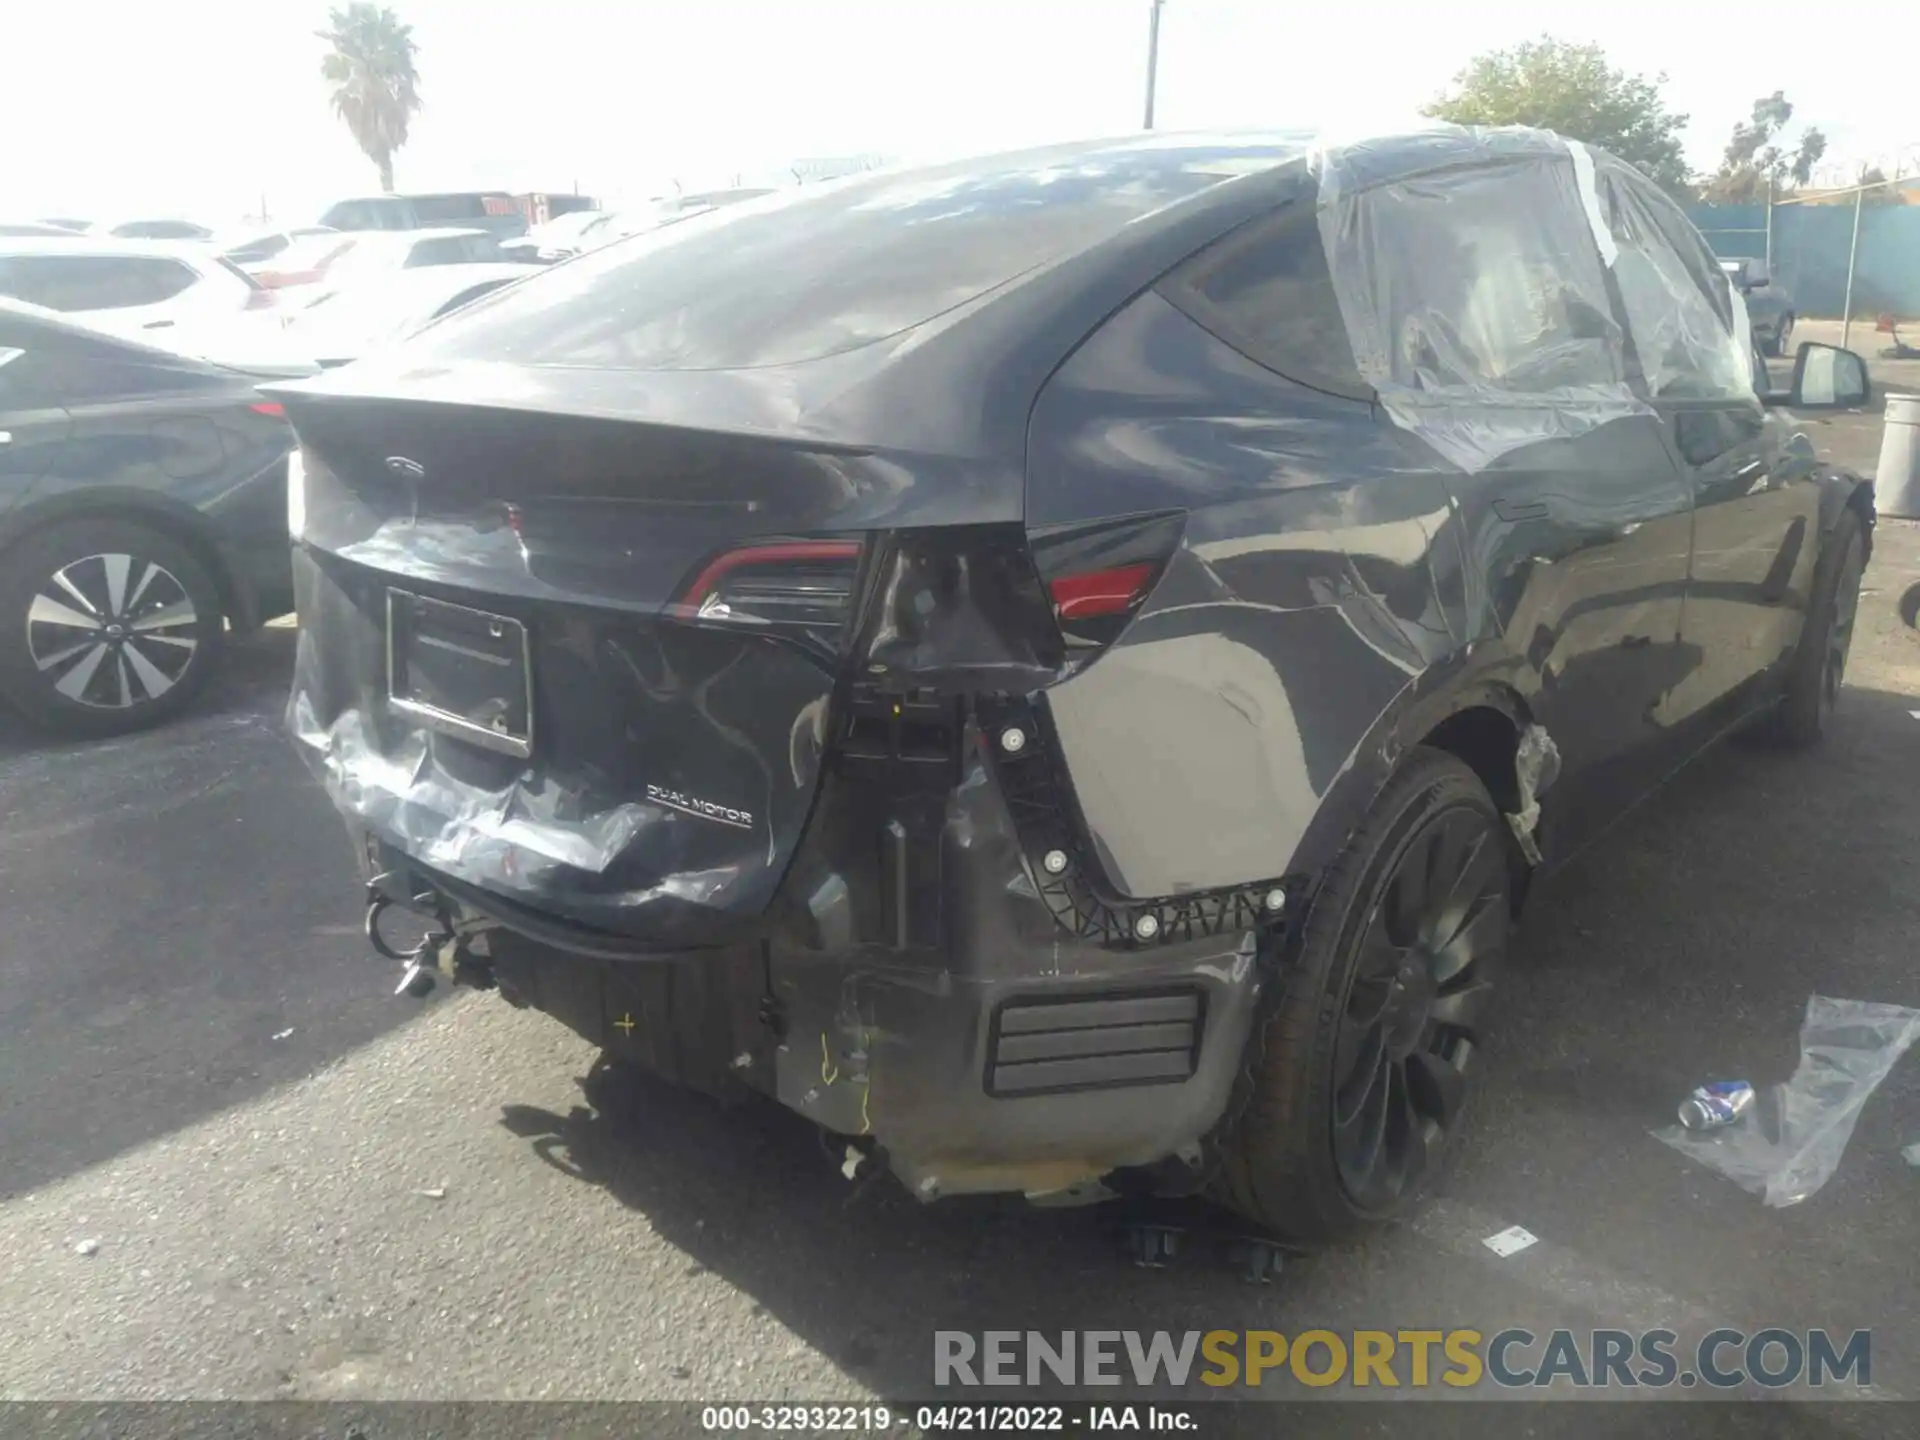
(375,86)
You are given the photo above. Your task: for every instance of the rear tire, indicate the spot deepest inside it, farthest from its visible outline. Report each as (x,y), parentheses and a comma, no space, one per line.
(1819,665)
(106,626)
(1361,1070)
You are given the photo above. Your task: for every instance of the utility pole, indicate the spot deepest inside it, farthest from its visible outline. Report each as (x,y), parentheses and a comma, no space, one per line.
(1853,254)
(1153,56)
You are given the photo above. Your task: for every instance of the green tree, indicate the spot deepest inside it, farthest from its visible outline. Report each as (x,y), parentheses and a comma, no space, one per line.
(1757,160)
(1573,90)
(1883,193)
(376,88)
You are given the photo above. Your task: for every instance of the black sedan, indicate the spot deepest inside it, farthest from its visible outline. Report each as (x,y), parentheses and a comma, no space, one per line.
(1060,667)
(143,513)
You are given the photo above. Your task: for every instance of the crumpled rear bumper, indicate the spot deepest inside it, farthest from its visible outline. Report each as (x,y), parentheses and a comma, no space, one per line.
(927,1001)
(1036,1086)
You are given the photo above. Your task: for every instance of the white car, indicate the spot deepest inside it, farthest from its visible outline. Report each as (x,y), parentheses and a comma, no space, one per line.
(373,253)
(131,287)
(343,325)
(557,238)
(250,251)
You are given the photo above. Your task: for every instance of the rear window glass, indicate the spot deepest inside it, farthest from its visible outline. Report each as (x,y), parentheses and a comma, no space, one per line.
(367,215)
(440,209)
(254,251)
(160,230)
(454,250)
(806,275)
(1266,291)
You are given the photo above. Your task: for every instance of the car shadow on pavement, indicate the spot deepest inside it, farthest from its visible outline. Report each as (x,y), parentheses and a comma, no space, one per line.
(182,926)
(1813,851)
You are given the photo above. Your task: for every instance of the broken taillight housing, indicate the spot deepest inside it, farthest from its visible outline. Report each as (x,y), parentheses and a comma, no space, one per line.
(1098,574)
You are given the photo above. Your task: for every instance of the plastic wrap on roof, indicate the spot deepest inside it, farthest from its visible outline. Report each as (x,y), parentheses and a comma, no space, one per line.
(1471,271)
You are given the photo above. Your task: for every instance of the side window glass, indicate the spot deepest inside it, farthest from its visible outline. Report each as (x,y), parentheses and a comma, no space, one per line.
(148,282)
(1486,281)
(21,387)
(57,283)
(1265,290)
(1678,304)
(77,283)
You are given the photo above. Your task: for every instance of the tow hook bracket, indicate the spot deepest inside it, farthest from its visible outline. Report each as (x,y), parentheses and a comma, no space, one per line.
(445,952)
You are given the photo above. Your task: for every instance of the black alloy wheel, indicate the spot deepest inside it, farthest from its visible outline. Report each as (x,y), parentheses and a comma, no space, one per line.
(106,626)
(1421,981)
(1364,1064)
(1845,611)
(1818,669)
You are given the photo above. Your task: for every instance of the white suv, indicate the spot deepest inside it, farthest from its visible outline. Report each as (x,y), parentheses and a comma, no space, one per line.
(132,287)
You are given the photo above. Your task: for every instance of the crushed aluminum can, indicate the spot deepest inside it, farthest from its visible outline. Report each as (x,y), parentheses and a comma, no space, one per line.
(1717,1104)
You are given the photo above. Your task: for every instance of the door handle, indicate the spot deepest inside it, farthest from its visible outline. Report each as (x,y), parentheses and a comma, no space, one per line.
(1520,509)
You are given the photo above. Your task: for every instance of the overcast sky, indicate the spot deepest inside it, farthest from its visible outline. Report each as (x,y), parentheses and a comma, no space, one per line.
(200,107)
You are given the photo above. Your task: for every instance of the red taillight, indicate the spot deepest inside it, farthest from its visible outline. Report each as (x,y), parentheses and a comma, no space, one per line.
(1099,574)
(1101,592)
(806,584)
(707,584)
(269,407)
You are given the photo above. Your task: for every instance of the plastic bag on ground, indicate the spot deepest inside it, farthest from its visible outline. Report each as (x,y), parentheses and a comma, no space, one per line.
(1790,1143)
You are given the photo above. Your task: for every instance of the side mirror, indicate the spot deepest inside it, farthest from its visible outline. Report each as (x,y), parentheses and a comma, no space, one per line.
(1825,377)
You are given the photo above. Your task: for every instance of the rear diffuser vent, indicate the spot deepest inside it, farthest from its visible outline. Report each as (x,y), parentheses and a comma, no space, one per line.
(1147,1037)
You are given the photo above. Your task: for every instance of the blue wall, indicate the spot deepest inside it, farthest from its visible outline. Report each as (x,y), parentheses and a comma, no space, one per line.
(1810,253)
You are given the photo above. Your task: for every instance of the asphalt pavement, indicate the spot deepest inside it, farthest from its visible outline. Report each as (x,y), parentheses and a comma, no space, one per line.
(289,1184)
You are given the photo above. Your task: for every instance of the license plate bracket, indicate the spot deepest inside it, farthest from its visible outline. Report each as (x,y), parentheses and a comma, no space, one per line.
(464,672)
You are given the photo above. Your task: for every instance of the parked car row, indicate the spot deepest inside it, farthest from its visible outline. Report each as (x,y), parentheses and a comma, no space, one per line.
(143,476)
(580,231)
(123,230)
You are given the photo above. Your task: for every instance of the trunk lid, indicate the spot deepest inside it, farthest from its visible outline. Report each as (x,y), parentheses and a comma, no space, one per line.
(581,662)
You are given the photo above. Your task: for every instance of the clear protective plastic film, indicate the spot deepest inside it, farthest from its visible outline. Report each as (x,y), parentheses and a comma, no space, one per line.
(1476,295)
(1790,1141)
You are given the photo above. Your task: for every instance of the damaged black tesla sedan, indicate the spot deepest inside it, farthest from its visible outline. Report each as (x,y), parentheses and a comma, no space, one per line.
(1058,667)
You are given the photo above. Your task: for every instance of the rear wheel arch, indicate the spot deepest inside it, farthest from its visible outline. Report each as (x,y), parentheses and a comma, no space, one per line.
(184,526)
(1477,720)
(1486,737)
(1841,491)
